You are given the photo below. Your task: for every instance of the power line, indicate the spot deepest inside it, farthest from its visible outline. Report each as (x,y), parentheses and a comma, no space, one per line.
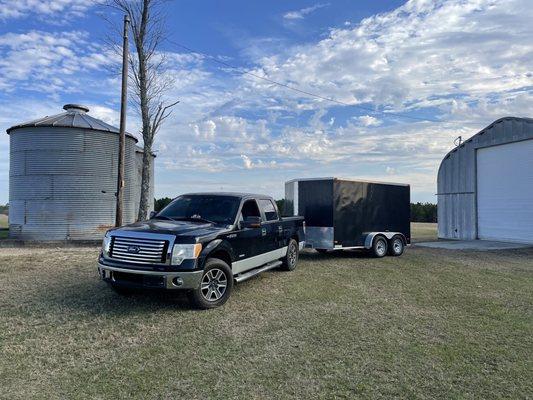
(295,89)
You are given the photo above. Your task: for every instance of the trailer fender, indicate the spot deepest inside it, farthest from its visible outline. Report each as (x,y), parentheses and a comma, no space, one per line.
(389,235)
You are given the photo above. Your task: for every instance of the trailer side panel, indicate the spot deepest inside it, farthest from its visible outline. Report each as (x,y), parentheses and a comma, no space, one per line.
(364,207)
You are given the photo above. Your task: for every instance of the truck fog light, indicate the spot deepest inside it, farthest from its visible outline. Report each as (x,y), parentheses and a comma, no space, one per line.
(177,281)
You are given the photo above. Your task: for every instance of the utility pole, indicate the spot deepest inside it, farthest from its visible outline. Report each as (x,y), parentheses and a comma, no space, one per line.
(122,133)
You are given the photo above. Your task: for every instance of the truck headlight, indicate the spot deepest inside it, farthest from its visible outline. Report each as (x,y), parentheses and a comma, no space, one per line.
(182,252)
(106,244)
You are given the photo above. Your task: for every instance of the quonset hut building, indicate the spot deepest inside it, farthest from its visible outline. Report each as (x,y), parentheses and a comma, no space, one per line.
(63,177)
(485,185)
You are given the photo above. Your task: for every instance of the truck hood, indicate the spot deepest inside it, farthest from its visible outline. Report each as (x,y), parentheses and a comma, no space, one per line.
(178,228)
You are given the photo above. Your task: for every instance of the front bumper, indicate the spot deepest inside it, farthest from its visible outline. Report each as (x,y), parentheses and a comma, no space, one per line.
(150,279)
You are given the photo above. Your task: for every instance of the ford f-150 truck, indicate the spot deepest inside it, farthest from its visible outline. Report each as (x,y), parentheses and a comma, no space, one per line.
(202,243)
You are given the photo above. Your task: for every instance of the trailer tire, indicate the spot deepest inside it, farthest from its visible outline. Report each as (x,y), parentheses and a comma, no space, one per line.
(291,258)
(217,275)
(396,246)
(379,247)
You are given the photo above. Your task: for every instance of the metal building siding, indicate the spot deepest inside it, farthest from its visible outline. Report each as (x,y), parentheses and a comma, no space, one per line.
(63,183)
(456,181)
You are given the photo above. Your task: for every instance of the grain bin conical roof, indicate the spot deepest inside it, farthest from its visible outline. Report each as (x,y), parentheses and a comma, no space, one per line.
(75,116)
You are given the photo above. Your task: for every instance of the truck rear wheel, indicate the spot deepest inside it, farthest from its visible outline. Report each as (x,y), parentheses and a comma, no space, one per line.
(291,258)
(379,247)
(396,247)
(215,287)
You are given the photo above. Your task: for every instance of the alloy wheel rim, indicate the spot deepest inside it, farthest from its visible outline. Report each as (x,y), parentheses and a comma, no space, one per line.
(292,254)
(214,284)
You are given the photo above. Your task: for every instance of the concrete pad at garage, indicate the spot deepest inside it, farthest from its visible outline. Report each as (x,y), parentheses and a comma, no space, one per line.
(477,245)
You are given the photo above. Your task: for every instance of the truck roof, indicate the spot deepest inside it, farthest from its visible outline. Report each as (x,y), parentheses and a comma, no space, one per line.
(231,194)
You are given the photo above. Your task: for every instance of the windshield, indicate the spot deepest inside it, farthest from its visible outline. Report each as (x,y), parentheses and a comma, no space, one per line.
(217,209)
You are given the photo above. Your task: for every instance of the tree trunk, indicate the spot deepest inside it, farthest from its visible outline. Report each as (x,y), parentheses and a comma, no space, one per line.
(144,204)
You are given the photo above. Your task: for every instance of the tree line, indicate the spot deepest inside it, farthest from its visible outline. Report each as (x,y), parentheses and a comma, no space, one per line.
(420,212)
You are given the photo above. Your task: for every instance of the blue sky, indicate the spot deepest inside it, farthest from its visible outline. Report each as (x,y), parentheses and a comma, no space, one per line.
(461,63)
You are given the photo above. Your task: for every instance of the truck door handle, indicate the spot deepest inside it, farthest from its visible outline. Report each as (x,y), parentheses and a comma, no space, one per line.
(263,232)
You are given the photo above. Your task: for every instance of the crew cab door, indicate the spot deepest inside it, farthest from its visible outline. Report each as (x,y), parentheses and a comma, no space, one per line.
(273,229)
(247,243)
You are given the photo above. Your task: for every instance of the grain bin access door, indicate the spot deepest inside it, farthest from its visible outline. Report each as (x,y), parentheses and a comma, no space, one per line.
(505,192)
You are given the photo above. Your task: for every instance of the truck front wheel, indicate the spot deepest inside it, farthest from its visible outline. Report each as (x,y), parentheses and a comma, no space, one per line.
(215,287)
(379,247)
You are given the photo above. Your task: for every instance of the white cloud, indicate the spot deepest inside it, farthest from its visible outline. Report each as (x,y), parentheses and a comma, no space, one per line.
(48,62)
(422,54)
(300,14)
(58,9)
(367,120)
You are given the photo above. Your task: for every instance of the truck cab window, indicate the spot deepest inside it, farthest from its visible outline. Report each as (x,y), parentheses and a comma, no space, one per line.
(250,209)
(270,211)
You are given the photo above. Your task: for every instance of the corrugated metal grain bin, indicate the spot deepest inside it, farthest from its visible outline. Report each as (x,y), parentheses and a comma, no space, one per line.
(63,177)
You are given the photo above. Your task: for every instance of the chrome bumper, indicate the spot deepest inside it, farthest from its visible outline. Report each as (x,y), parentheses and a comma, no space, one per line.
(169,280)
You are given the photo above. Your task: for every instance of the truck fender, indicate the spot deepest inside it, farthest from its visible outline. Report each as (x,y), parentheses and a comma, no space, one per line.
(212,247)
(389,235)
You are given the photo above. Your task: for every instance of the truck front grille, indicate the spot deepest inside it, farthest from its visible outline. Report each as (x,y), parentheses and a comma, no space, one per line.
(137,250)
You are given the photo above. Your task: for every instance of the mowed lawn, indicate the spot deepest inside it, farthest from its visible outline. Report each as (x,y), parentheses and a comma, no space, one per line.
(3,226)
(430,324)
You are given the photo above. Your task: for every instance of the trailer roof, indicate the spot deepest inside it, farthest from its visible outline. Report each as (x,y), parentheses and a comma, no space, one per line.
(332,178)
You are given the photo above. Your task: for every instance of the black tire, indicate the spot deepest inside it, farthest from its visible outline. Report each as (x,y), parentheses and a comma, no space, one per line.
(291,258)
(217,276)
(379,247)
(122,290)
(396,246)
(322,251)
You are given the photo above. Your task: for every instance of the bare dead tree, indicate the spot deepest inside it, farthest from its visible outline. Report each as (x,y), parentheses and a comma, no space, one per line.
(150,80)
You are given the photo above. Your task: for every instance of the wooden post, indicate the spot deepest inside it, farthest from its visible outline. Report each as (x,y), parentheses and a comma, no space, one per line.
(122,133)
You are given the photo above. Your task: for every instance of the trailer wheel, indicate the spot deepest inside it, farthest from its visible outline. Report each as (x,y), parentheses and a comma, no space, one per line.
(379,247)
(396,247)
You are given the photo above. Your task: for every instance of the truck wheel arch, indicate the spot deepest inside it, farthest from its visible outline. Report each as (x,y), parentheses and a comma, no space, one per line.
(218,248)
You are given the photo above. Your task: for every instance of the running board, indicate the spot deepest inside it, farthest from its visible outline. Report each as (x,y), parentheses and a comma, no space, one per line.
(249,274)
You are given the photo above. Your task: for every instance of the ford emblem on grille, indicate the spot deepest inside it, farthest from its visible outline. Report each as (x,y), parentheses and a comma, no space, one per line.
(134,249)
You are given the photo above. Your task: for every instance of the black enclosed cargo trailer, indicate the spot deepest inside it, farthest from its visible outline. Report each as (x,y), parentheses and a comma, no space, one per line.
(350,214)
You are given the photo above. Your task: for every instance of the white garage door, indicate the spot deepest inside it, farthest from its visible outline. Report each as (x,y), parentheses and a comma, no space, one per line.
(505,192)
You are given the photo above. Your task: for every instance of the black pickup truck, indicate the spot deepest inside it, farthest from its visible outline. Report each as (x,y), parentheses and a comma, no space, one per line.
(202,243)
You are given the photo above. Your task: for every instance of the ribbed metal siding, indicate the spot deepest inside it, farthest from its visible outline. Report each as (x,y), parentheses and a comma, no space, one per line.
(456,182)
(63,183)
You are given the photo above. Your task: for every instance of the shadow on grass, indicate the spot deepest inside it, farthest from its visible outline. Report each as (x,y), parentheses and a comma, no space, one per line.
(92,296)
(312,255)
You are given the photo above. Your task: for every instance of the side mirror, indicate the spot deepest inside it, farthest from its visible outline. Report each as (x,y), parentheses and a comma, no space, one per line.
(252,222)
(152,214)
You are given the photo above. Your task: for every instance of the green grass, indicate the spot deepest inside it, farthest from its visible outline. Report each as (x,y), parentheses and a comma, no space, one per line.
(424,232)
(3,221)
(3,226)
(430,324)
